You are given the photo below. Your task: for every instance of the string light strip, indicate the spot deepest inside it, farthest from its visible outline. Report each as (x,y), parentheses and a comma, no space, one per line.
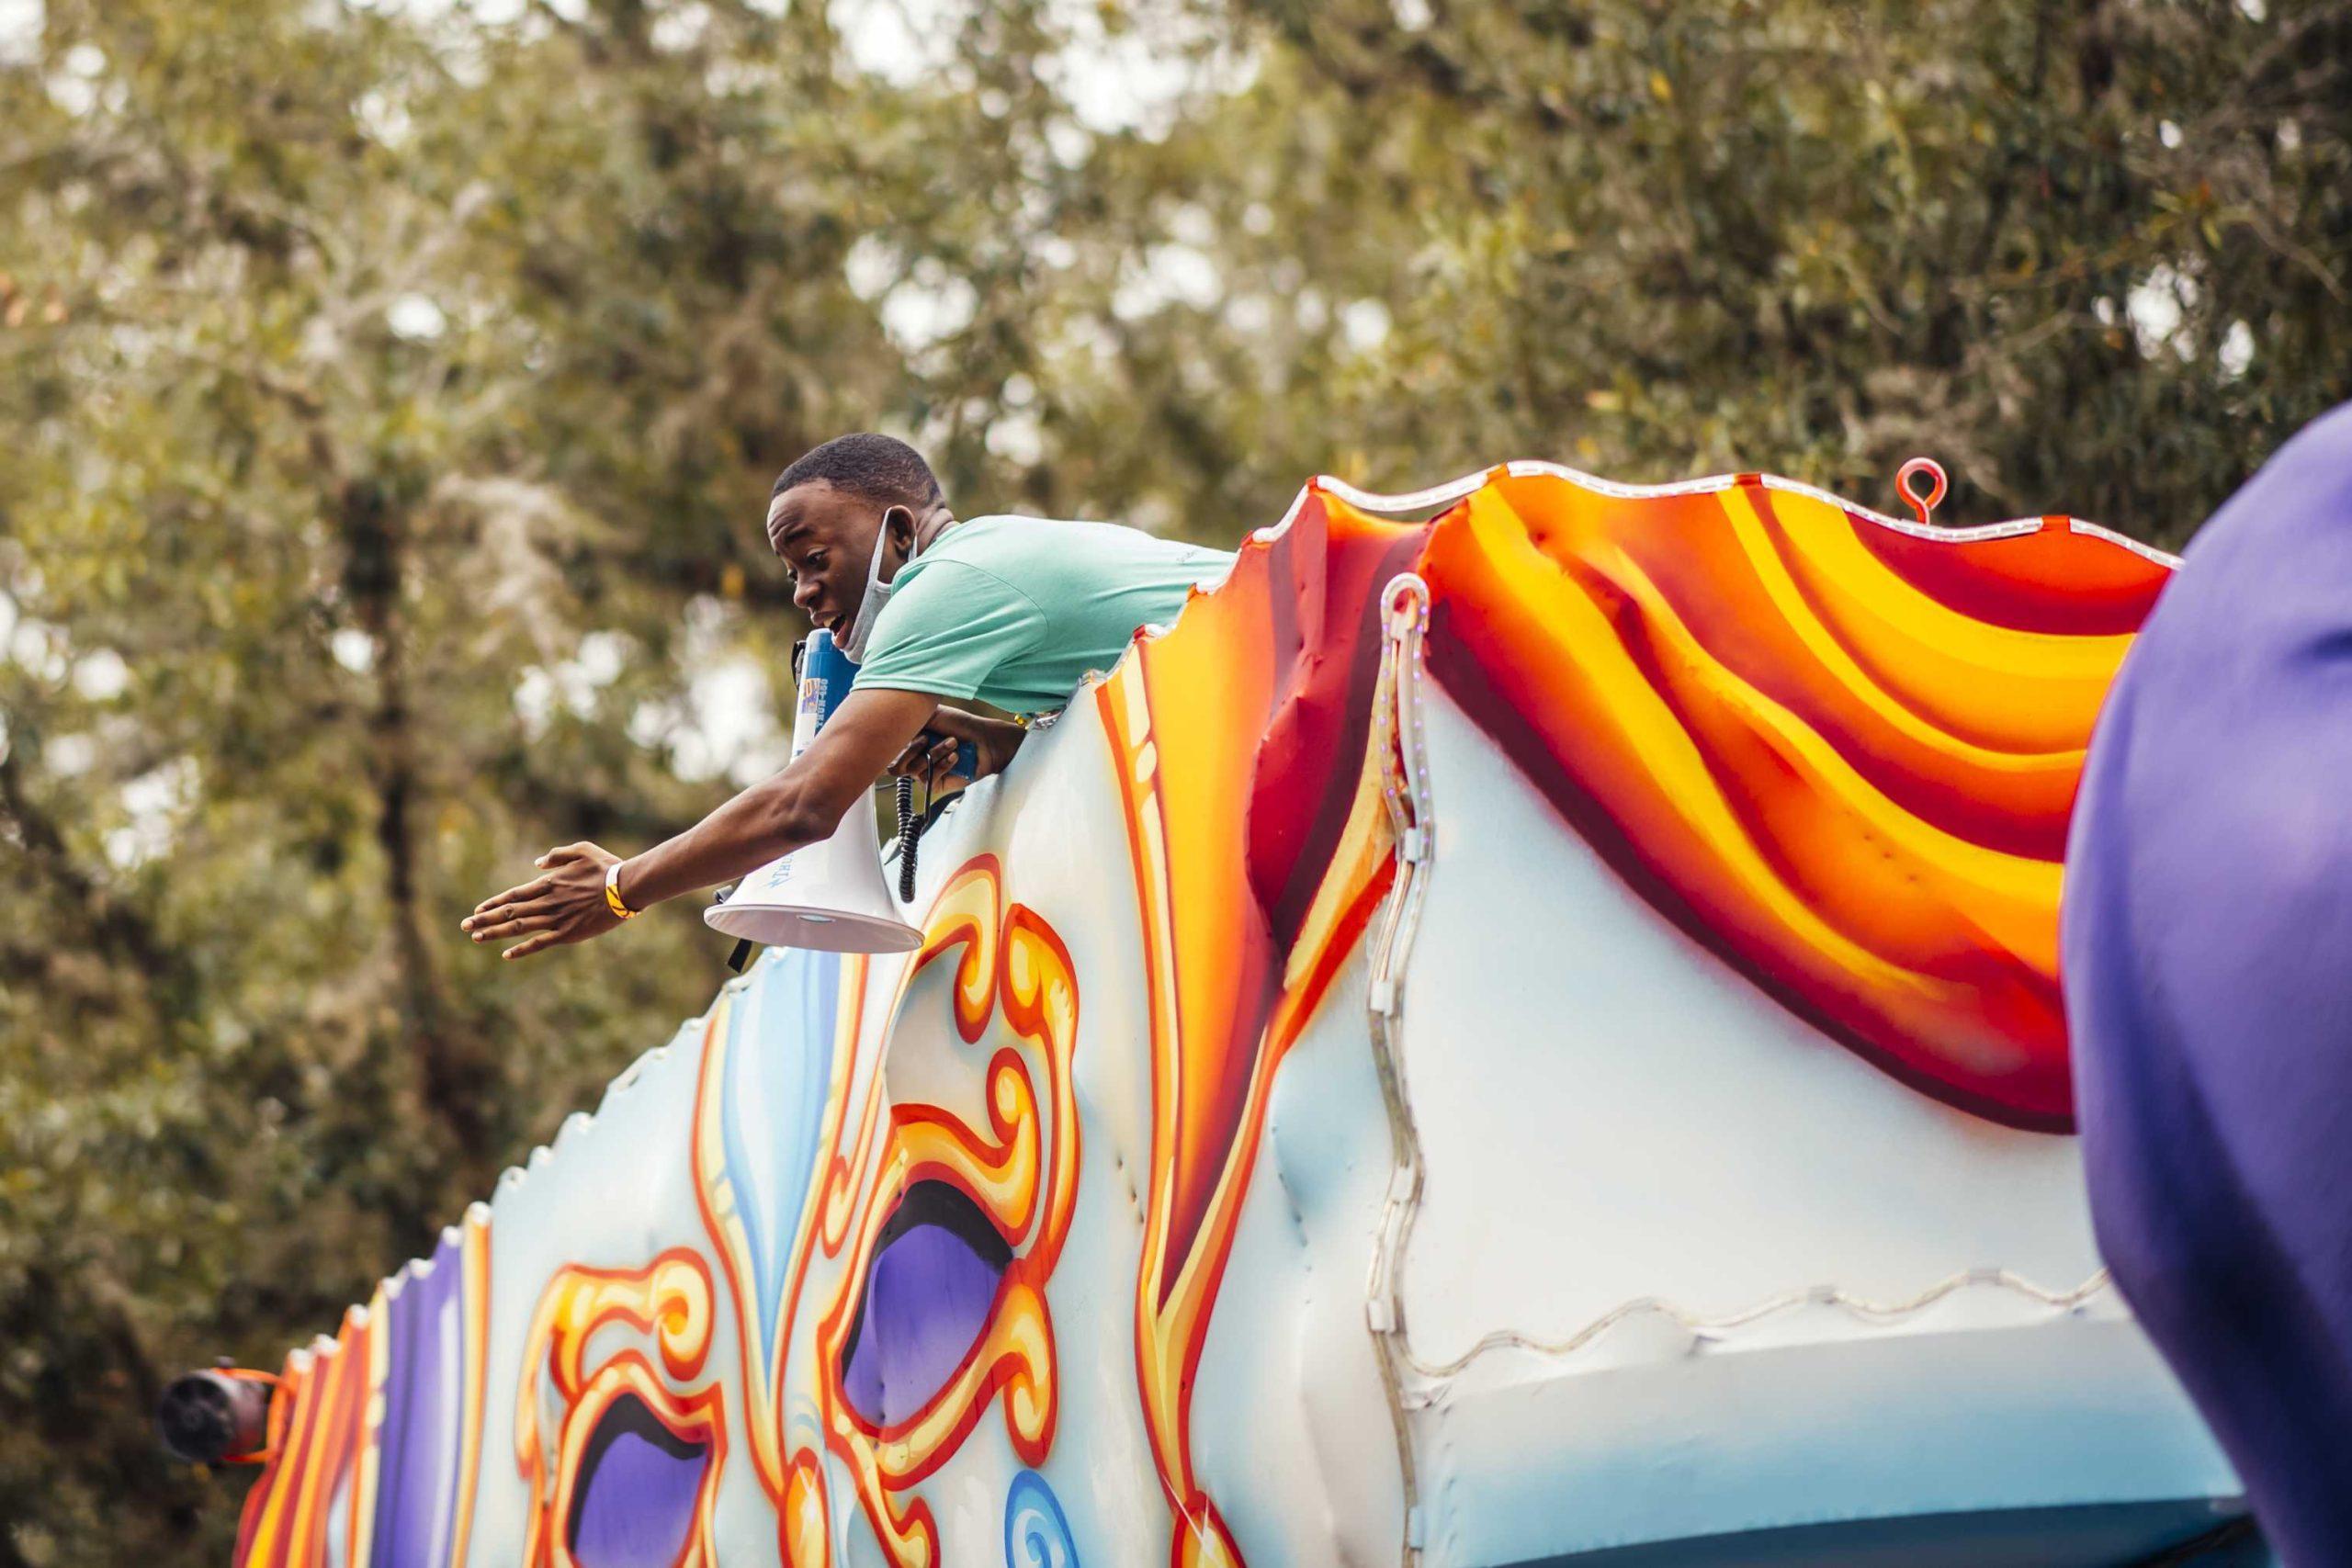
(1860,1307)
(1398,749)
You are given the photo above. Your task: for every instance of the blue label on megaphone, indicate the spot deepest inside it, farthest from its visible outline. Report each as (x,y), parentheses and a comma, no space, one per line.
(825,676)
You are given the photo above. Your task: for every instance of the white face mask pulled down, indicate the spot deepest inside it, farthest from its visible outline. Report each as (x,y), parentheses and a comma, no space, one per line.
(878,592)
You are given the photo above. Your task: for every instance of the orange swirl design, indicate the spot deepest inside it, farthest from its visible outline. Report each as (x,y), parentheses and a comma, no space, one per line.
(668,1301)
(1021,1172)
(964,917)
(1259,850)
(1839,756)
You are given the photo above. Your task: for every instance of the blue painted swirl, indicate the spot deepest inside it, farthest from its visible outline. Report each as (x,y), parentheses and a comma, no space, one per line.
(1035,1533)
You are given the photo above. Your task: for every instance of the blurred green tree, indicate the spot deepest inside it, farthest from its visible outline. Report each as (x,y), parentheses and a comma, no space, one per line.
(2096,256)
(389,393)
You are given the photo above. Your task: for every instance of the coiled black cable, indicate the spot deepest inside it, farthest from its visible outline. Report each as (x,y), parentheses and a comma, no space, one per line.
(906,838)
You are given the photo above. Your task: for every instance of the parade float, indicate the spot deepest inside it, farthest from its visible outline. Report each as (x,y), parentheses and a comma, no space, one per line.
(1524,1027)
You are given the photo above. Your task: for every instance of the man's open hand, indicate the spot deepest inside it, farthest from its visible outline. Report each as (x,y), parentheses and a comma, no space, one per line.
(565,903)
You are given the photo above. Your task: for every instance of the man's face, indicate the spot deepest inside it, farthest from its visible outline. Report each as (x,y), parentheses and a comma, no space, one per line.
(826,538)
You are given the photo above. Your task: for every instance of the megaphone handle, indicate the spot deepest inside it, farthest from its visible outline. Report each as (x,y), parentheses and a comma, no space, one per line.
(967,765)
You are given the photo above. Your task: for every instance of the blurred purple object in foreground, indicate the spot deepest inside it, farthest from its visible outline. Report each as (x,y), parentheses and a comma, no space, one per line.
(2208,965)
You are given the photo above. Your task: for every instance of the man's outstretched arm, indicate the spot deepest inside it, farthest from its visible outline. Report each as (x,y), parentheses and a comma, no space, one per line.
(565,903)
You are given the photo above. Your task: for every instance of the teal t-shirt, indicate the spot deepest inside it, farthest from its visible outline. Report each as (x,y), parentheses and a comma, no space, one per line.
(1015,611)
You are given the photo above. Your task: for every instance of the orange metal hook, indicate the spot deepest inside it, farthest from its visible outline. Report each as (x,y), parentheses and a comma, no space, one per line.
(1924,505)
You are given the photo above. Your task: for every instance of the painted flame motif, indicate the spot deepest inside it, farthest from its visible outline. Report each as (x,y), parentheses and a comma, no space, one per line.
(1259,850)
(1840,755)
(668,1301)
(1021,1173)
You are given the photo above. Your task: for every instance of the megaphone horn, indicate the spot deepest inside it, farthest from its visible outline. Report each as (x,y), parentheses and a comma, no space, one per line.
(829,895)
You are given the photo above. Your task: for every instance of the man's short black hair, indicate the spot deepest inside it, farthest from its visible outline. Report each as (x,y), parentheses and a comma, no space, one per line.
(881,468)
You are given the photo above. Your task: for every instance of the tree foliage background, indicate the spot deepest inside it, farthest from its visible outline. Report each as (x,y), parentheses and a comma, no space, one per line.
(389,393)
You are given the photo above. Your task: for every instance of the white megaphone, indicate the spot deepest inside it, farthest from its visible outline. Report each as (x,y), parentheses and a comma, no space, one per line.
(828,896)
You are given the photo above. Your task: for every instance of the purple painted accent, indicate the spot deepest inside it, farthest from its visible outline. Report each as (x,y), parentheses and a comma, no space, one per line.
(2208,964)
(928,1296)
(416,1481)
(634,1505)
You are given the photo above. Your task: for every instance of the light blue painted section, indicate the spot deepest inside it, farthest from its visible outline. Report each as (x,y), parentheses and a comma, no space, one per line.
(1724,1442)
(779,1063)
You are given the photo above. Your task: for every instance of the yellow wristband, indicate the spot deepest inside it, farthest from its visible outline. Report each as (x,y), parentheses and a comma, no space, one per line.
(612,892)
